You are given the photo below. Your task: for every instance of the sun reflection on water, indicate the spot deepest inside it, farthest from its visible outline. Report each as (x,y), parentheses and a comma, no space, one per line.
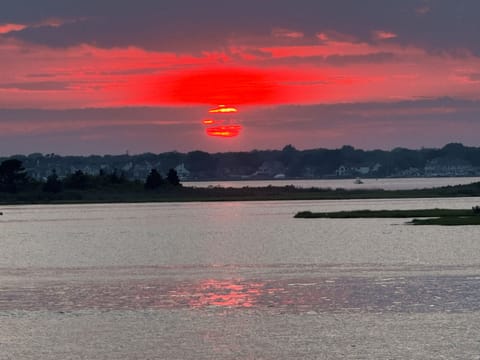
(224,293)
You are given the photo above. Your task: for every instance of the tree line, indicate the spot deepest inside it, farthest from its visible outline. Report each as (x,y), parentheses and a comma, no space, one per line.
(294,163)
(14,179)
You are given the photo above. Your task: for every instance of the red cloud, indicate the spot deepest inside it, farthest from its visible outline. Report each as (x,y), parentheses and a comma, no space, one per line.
(8,28)
(286,33)
(384,35)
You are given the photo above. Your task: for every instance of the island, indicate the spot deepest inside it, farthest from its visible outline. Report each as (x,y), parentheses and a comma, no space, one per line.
(420,216)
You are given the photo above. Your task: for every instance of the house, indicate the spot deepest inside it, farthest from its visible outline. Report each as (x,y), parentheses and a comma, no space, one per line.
(362,170)
(182,172)
(341,171)
(448,167)
(269,169)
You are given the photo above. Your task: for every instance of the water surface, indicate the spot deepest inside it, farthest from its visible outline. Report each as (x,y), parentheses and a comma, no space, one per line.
(234,280)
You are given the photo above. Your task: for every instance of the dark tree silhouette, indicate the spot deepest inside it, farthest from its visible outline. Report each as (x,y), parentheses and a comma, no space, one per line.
(53,184)
(78,180)
(117,177)
(154,180)
(12,175)
(172,178)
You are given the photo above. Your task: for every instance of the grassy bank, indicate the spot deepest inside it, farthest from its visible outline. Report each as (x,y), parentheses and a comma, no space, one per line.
(448,221)
(428,216)
(358,214)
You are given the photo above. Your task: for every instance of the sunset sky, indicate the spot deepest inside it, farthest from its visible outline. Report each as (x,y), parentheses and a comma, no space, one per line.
(107,76)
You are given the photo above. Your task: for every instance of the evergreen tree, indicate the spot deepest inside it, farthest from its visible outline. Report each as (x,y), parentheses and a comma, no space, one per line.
(154,180)
(78,180)
(172,178)
(12,175)
(53,184)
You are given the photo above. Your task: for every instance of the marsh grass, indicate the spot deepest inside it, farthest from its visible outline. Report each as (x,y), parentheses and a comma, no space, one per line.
(448,221)
(449,217)
(384,214)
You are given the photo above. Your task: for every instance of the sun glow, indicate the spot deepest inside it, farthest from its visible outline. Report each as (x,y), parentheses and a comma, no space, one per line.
(222,86)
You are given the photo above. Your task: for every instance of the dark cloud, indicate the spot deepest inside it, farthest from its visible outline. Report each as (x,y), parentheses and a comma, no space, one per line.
(258,53)
(334,60)
(37,85)
(414,124)
(136,71)
(277,114)
(378,57)
(447,109)
(41,75)
(132,114)
(192,25)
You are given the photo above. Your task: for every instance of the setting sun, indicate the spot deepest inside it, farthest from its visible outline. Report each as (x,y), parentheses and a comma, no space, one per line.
(227,131)
(223,109)
(226,125)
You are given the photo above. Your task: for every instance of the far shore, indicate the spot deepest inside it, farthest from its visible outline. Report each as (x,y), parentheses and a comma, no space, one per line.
(193,194)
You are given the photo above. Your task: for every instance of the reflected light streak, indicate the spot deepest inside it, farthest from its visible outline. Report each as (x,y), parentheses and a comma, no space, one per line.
(225,293)
(208,122)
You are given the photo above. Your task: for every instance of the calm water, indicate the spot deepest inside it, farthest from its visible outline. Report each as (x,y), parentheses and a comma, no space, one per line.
(386,184)
(236,280)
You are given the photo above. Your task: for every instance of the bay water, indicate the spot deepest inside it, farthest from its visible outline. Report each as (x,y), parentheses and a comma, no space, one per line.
(230,280)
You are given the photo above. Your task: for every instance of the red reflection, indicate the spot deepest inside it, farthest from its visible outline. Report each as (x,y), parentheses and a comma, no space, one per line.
(226,131)
(208,122)
(225,293)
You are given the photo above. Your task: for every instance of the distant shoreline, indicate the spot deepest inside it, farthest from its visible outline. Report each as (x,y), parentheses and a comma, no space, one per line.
(192,194)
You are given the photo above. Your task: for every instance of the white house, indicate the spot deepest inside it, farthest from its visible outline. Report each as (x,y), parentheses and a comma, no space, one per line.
(182,172)
(341,171)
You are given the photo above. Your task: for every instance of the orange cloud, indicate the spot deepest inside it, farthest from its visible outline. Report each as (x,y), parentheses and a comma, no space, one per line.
(384,35)
(7,28)
(331,35)
(286,33)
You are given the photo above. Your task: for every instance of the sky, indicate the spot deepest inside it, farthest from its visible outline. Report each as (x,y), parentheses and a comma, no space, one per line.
(110,76)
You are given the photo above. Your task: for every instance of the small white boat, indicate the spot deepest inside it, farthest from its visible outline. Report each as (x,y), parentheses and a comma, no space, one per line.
(358,181)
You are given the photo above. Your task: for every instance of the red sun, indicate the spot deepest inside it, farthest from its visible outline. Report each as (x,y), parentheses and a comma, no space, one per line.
(226,131)
(224,124)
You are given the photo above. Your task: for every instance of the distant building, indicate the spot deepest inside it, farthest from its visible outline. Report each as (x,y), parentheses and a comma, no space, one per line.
(448,167)
(270,169)
(410,172)
(182,172)
(341,171)
(363,170)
